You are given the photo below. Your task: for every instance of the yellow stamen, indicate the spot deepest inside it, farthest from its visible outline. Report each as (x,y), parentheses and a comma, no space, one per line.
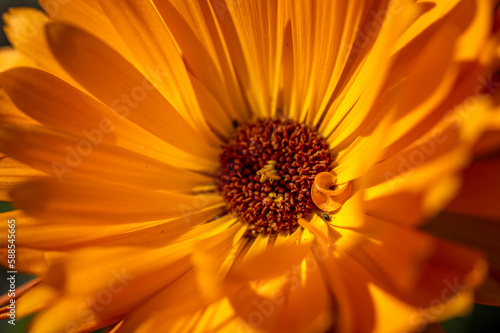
(269,172)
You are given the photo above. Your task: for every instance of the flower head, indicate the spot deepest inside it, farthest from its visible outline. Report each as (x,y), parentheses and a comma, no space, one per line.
(242,165)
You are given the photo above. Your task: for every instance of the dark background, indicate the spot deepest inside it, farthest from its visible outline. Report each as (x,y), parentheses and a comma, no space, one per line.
(20,324)
(5,4)
(483,319)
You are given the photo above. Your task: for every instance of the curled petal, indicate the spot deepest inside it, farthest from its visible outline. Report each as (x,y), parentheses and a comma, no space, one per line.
(327,195)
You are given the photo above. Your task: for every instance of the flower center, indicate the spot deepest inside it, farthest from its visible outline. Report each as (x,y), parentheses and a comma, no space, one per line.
(267,172)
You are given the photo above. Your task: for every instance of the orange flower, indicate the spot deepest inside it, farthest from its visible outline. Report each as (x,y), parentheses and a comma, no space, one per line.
(242,165)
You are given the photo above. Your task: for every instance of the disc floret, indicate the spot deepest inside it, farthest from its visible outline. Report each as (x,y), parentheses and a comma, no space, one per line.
(267,171)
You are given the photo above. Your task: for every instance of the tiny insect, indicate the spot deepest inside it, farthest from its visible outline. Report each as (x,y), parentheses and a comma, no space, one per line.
(323,215)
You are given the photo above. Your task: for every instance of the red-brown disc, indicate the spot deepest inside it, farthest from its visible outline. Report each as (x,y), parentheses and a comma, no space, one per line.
(267,170)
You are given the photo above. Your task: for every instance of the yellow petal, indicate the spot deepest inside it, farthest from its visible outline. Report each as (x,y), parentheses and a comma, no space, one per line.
(422,93)
(76,313)
(177,309)
(9,57)
(66,156)
(146,35)
(387,255)
(259,27)
(218,118)
(326,199)
(396,316)
(416,190)
(270,263)
(214,257)
(114,81)
(284,304)
(476,16)
(163,265)
(349,108)
(98,202)
(25,30)
(13,174)
(433,11)
(59,235)
(443,288)
(32,261)
(36,299)
(10,113)
(318,49)
(57,104)
(87,15)
(195,31)
(100,262)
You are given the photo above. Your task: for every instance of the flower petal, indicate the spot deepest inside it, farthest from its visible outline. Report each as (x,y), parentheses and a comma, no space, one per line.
(135,276)
(25,30)
(169,310)
(258,26)
(10,57)
(434,11)
(270,263)
(445,284)
(89,16)
(422,93)
(57,104)
(35,299)
(349,108)
(66,156)
(146,35)
(284,304)
(416,192)
(32,261)
(60,235)
(101,202)
(387,255)
(195,30)
(474,16)
(321,32)
(9,113)
(13,174)
(115,82)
